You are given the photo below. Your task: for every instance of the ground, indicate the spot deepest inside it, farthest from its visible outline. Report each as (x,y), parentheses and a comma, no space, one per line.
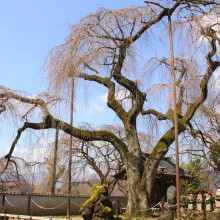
(77,217)
(80,218)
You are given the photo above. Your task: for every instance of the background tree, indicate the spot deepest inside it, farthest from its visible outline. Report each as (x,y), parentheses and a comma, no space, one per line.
(89,158)
(105,48)
(12,179)
(215,155)
(204,129)
(195,168)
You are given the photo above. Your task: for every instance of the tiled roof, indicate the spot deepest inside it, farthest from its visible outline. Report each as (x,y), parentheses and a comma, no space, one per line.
(166,169)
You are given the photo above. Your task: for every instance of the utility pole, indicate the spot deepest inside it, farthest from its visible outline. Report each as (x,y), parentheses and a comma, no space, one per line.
(175,123)
(70,146)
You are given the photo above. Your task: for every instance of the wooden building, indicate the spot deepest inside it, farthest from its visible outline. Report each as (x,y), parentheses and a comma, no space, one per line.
(165,177)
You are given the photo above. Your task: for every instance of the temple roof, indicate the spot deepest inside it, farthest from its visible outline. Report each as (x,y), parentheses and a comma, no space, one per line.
(166,170)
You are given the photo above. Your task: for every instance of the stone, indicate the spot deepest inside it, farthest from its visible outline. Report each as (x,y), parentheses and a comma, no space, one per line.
(199,201)
(190,206)
(191,201)
(191,197)
(167,215)
(171,195)
(98,206)
(217,204)
(209,202)
(170,205)
(87,212)
(217,198)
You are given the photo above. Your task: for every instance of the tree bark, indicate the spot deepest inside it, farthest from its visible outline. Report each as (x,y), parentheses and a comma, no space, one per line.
(137,198)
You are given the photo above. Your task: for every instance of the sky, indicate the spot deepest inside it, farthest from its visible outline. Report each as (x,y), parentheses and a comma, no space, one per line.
(29,30)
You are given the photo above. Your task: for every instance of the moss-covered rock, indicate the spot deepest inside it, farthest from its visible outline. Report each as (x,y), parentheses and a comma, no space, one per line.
(98,206)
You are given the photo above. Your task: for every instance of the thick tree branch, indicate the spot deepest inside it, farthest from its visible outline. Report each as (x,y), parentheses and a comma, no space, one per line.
(147,25)
(85,135)
(50,122)
(182,69)
(157,114)
(39,102)
(180,99)
(19,132)
(112,101)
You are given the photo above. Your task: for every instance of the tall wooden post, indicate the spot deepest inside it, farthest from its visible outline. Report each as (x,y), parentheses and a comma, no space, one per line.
(3,200)
(29,204)
(117,207)
(204,209)
(175,123)
(55,162)
(162,204)
(70,147)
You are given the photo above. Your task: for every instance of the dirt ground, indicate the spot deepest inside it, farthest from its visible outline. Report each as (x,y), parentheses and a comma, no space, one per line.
(80,218)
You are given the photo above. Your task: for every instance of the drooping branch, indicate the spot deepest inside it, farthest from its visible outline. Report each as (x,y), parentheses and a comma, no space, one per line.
(156,19)
(91,161)
(2,108)
(167,139)
(212,66)
(50,122)
(7,93)
(19,132)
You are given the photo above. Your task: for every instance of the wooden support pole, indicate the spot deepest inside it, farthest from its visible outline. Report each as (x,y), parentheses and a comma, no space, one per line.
(55,162)
(3,200)
(70,147)
(204,209)
(162,204)
(68,208)
(117,207)
(175,121)
(3,203)
(29,204)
